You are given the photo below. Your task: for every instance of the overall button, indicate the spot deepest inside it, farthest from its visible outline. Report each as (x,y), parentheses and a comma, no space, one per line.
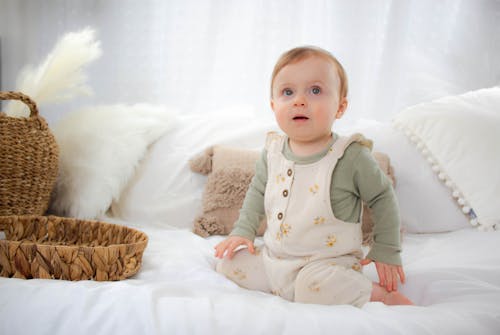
(280,216)
(289,172)
(285,193)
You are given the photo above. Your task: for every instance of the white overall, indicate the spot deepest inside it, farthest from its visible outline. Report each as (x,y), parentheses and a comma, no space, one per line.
(308,255)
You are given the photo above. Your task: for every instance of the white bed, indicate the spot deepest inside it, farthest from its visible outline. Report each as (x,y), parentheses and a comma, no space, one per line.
(453,277)
(451,260)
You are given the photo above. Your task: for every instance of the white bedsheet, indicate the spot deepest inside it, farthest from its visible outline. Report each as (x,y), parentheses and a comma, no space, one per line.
(454,278)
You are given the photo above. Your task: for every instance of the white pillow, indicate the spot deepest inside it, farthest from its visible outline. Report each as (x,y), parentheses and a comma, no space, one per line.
(164,191)
(99,150)
(460,138)
(425,204)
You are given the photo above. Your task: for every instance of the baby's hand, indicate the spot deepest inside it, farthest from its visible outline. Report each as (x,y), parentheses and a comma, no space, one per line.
(388,274)
(230,244)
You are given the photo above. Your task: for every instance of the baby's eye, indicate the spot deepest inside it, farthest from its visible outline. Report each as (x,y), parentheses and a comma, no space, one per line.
(316,90)
(287,92)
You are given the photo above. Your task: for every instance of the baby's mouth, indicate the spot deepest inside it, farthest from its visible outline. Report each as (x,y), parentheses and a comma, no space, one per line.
(300,117)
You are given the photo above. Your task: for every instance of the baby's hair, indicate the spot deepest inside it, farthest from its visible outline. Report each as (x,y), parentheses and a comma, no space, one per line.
(300,53)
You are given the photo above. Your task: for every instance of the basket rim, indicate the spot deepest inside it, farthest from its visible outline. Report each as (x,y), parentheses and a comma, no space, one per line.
(31,259)
(6,219)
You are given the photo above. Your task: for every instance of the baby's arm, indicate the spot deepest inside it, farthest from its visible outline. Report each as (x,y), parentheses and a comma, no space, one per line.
(252,211)
(251,214)
(376,190)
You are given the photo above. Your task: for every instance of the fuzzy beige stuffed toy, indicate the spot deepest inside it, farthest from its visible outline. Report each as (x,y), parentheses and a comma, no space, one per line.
(230,171)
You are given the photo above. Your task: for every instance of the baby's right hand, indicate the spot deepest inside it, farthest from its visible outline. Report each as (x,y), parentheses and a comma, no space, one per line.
(230,244)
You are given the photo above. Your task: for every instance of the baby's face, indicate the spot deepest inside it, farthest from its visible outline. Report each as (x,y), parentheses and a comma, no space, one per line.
(306,99)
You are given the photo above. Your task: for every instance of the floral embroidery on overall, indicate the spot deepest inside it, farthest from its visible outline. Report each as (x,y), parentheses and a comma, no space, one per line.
(331,240)
(238,274)
(319,220)
(315,287)
(284,231)
(314,189)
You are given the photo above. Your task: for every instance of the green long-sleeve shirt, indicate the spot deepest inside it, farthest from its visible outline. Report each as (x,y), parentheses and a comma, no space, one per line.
(356,178)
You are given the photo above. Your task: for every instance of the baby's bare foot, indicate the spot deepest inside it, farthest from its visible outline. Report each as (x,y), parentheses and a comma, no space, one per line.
(396,298)
(379,293)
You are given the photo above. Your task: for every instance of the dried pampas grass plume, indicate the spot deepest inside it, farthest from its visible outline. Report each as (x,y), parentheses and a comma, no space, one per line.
(60,77)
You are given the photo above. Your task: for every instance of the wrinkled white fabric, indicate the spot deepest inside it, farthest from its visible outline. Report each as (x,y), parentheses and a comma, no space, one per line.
(453,277)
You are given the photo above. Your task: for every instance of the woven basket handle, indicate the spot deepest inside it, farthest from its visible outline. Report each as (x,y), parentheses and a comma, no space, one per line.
(21,97)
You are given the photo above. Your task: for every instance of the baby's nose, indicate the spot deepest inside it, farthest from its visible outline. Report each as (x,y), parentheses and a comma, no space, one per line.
(299,101)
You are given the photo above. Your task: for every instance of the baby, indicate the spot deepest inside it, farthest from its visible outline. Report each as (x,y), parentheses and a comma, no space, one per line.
(310,184)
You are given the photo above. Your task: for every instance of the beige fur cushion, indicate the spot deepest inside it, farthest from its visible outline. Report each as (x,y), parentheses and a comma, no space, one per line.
(230,171)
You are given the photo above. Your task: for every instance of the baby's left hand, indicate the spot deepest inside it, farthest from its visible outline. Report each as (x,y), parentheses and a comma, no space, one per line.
(388,274)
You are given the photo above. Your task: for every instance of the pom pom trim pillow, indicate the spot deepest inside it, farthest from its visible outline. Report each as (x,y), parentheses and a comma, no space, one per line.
(460,137)
(425,204)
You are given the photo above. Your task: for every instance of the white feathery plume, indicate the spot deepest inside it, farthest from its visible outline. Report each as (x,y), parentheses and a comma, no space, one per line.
(61,76)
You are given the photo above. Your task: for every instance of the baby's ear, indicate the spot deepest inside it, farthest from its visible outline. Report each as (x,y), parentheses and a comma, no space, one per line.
(202,163)
(342,108)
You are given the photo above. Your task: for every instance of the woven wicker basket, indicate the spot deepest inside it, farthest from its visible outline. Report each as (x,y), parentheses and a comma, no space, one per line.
(53,247)
(29,159)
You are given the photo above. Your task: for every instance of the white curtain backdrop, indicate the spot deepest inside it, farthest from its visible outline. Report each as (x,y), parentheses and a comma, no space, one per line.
(207,56)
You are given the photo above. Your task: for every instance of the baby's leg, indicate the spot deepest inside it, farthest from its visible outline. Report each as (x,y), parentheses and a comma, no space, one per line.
(329,283)
(379,293)
(246,270)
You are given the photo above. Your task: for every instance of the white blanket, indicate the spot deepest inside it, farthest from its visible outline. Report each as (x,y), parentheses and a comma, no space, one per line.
(454,278)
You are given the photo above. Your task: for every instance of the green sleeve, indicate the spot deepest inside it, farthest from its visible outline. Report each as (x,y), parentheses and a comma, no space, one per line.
(253,211)
(359,176)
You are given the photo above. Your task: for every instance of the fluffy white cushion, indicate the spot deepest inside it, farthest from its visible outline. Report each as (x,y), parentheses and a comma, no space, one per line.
(425,203)
(99,150)
(460,136)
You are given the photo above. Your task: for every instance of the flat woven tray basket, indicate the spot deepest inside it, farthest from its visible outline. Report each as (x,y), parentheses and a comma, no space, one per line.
(53,247)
